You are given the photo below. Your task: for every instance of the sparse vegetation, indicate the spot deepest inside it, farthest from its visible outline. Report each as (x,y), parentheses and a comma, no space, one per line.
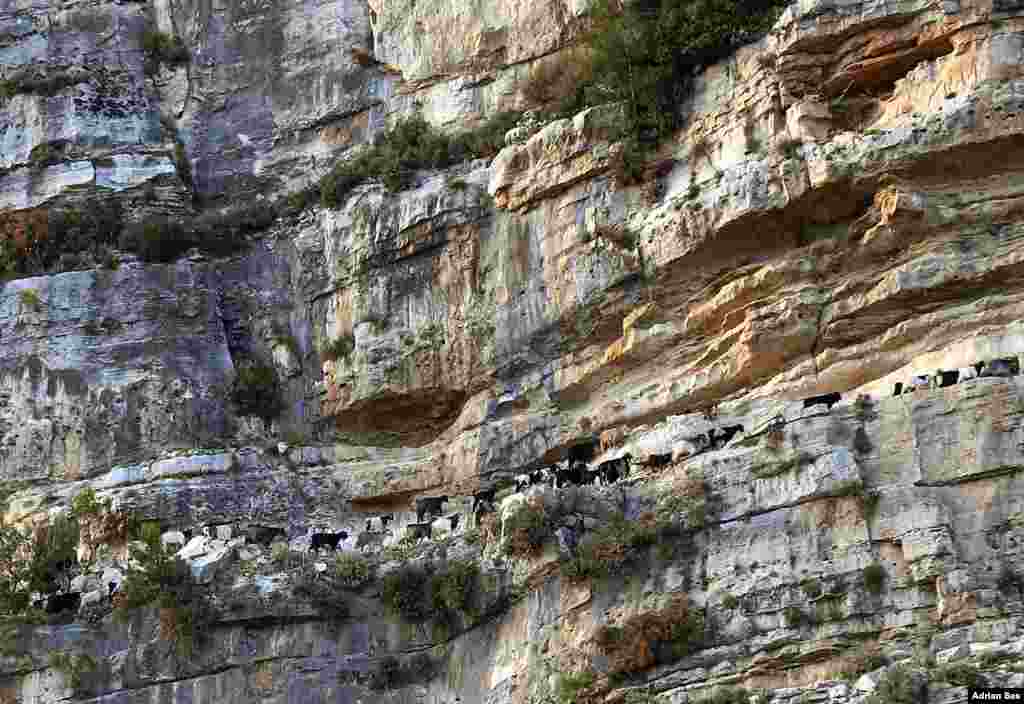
(656,636)
(73,667)
(526,529)
(29,298)
(162,48)
(257,391)
(900,685)
(572,684)
(727,695)
(161,578)
(419,593)
(874,577)
(86,503)
(352,570)
(340,347)
(412,145)
(391,673)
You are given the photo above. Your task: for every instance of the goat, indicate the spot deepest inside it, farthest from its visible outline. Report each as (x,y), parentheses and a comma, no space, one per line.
(659,460)
(385,519)
(583,452)
(612,438)
(944,378)
(265,535)
(454,521)
(522,482)
(324,540)
(613,470)
(369,539)
(188,533)
(537,476)
(485,496)
(111,588)
(828,399)
(417,531)
(898,389)
(918,381)
(431,506)
(573,474)
(968,373)
(724,435)
(1001,367)
(69,601)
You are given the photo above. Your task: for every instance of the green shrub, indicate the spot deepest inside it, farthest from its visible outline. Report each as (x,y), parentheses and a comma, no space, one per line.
(645,55)
(352,570)
(411,145)
(162,48)
(406,592)
(900,685)
(727,695)
(730,602)
(794,617)
(570,684)
(874,576)
(606,549)
(526,529)
(961,675)
(339,348)
(73,667)
(324,592)
(811,588)
(85,503)
(157,577)
(453,589)
(29,298)
(257,391)
(158,240)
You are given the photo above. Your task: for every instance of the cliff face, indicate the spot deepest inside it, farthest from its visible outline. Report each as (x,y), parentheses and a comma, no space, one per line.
(840,214)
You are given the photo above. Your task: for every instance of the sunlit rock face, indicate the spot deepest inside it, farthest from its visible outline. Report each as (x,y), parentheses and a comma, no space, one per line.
(840,215)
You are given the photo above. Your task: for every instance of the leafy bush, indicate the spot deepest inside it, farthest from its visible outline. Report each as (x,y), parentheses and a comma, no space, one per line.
(405,592)
(257,391)
(157,240)
(162,48)
(900,685)
(85,503)
(339,348)
(411,145)
(727,695)
(961,675)
(160,578)
(606,549)
(453,589)
(73,667)
(874,576)
(644,55)
(526,529)
(392,674)
(352,570)
(571,684)
(324,593)
(660,635)
(29,298)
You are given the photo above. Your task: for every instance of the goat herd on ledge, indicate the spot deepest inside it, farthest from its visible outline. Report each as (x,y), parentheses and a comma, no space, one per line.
(575,471)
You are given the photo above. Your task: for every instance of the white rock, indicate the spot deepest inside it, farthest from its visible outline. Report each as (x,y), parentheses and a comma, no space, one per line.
(224,533)
(282,447)
(173,537)
(839,691)
(868,682)
(79,583)
(199,545)
(320,566)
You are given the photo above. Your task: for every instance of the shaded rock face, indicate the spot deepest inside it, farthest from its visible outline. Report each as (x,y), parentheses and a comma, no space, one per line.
(841,214)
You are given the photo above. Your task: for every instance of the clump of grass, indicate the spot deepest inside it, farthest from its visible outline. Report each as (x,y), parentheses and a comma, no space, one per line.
(340,347)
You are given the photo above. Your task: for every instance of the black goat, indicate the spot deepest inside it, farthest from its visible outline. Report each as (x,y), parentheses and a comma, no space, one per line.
(575,473)
(419,530)
(583,452)
(326,540)
(385,519)
(454,521)
(188,533)
(659,460)
(111,588)
(720,437)
(485,496)
(898,389)
(431,506)
(949,378)
(69,601)
(828,399)
(1005,367)
(264,535)
(613,470)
